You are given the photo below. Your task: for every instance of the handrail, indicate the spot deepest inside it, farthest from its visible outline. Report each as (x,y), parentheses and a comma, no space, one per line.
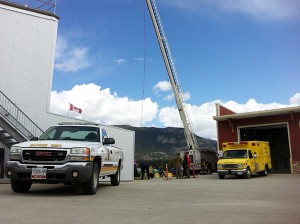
(17,118)
(42,5)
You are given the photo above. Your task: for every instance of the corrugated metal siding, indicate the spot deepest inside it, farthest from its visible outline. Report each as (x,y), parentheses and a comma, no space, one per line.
(27,47)
(224,111)
(226,133)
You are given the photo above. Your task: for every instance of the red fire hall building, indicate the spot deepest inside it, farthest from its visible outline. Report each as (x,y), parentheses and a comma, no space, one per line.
(280,127)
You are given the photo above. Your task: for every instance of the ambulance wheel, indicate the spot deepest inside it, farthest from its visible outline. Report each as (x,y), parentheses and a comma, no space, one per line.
(20,186)
(264,172)
(115,179)
(91,186)
(248,173)
(221,176)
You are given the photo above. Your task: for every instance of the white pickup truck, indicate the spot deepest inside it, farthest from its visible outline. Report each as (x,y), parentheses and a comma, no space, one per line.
(67,153)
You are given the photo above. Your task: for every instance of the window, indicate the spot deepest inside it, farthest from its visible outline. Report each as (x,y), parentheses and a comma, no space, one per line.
(77,133)
(250,154)
(238,153)
(104,135)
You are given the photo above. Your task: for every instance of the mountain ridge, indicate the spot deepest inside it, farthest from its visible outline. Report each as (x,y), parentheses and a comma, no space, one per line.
(153,143)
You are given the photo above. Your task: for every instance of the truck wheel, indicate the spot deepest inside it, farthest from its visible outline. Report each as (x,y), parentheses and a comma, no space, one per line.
(91,186)
(221,176)
(20,186)
(248,174)
(264,172)
(115,179)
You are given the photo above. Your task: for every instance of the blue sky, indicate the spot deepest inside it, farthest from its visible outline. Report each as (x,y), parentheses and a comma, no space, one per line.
(243,54)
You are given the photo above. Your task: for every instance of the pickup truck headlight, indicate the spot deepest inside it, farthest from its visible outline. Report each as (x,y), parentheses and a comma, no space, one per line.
(80,154)
(219,166)
(15,153)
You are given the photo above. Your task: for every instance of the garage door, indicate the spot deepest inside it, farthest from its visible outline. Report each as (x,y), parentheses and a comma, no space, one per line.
(277,136)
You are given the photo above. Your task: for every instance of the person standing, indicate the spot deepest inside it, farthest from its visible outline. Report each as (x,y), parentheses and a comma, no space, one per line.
(178,165)
(151,172)
(184,165)
(135,168)
(188,164)
(145,169)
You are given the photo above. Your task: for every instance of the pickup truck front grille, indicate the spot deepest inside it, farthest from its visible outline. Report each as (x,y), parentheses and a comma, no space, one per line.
(44,155)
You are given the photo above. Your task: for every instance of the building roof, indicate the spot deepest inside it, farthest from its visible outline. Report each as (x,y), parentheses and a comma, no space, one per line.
(264,113)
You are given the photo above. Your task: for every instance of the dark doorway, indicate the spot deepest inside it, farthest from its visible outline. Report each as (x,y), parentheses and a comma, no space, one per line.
(2,163)
(277,136)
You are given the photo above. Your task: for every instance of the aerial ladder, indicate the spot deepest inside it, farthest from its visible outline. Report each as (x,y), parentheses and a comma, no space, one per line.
(167,57)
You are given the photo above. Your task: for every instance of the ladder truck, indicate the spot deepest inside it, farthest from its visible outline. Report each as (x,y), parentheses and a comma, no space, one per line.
(194,153)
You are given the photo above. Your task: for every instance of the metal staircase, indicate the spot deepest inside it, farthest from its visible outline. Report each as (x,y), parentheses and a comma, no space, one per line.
(15,125)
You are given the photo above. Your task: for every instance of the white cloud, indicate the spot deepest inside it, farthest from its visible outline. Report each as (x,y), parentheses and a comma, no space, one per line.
(262,10)
(162,86)
(103,106)
(120,60)
(165,86)
(202,116)
(295,99)
(108,108)
(70,59)
(185,97)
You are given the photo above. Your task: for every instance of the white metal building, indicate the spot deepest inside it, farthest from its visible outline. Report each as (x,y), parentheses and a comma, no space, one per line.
(27,52)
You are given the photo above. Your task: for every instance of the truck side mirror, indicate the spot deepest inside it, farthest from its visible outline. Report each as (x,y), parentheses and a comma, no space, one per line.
(109,141)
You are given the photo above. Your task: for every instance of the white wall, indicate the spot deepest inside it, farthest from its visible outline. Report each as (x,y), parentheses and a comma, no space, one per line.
(125,139)
(27,50)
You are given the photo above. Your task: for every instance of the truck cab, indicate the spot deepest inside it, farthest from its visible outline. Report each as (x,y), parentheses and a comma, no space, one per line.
(244,159)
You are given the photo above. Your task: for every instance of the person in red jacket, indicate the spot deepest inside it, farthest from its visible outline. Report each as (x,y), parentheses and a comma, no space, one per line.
(187,165)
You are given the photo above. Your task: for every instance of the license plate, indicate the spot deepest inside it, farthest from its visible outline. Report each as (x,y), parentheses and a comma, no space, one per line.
(38,173)
(239,173)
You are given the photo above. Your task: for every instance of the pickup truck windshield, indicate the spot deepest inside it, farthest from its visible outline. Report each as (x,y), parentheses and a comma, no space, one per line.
(77,133)
(238,153)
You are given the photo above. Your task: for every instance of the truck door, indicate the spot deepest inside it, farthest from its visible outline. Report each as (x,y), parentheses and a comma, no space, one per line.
(251,162)
(107,165)
(256,162)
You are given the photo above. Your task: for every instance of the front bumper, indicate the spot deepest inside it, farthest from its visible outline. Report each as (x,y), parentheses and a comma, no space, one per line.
(55,173)
(241,172)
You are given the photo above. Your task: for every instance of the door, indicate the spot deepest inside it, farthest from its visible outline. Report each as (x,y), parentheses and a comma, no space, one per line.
(251,161)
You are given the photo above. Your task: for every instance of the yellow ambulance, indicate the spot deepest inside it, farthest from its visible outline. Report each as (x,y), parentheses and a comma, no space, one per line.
(244,159)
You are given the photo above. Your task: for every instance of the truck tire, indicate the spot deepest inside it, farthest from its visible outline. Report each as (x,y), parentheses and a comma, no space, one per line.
(20,186)
(115,179)
(264,172)
(91,186)
(221,176)
(248,173)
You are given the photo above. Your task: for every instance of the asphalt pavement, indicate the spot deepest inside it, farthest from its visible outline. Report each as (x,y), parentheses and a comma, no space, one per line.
(205,199)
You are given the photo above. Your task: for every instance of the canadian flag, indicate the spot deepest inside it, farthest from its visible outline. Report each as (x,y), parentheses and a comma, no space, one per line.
(73,108)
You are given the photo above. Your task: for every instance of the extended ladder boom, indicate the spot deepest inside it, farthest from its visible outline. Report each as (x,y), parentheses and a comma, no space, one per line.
(166,54)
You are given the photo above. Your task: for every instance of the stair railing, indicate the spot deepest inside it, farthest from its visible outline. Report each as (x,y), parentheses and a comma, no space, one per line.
(17,118)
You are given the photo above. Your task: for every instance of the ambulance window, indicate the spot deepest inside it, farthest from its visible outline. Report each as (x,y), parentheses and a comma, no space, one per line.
(250,155)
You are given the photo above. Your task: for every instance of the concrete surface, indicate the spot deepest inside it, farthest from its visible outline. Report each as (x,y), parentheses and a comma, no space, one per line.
(205,199)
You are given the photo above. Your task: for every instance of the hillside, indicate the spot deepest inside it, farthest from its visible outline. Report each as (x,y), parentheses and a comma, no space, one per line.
(162,143)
